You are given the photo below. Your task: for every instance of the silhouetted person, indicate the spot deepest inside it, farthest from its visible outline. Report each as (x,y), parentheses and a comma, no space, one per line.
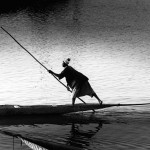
(76,81)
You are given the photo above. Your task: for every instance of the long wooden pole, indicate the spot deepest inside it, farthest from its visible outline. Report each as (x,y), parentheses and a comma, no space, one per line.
(38,61)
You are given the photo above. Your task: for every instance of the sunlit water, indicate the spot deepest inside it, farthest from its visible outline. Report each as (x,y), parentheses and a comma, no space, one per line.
(107,41)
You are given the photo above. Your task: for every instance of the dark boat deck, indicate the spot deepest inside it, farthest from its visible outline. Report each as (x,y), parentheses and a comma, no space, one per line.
(15,110)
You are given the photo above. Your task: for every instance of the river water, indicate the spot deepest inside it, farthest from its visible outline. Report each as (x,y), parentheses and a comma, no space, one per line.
(107,41)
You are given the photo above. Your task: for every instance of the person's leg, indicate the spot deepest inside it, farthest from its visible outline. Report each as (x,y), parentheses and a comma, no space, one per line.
(74,96)
(99,100)
(73,101)
(75,93)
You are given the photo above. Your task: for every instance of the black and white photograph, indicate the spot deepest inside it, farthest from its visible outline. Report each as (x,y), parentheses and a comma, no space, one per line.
(75,75)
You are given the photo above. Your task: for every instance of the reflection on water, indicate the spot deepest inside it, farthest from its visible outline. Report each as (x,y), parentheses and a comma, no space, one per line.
(111,129)
(71,134)
(80,136)
(102,41)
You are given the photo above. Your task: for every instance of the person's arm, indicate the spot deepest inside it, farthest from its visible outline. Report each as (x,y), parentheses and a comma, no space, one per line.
(57,75)
(61,75)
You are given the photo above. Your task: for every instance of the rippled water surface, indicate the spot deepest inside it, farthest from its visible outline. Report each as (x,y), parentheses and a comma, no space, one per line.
(106,40)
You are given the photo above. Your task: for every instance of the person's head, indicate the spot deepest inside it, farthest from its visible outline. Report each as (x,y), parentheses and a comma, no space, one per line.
(65,63)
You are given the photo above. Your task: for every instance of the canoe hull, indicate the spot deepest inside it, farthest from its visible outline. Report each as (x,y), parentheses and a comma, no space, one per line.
(13,110)
(8,110)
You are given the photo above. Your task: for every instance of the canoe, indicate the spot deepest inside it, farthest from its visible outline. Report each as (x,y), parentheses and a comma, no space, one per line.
(18,110)
(11,110)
